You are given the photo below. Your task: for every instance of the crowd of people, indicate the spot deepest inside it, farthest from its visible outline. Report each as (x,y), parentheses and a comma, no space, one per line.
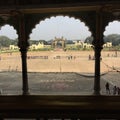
(114,91)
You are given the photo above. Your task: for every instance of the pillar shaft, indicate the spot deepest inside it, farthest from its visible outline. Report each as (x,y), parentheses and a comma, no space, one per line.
(97,71)
(23,49)
(24,72)
(98,42)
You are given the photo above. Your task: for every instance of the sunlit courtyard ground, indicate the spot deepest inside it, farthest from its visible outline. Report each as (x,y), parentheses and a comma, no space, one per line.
(58,72)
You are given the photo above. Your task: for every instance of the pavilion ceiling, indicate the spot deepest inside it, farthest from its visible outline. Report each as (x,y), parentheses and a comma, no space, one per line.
(45,6)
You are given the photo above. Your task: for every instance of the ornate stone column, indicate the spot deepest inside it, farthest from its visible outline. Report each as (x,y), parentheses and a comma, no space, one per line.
(23,44)
(98,42)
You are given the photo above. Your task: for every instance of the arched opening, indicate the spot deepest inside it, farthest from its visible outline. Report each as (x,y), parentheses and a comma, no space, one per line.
(111,56)
(61,53)
(10,61)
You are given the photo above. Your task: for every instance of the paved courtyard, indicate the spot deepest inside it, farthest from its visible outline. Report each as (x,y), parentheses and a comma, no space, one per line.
(68,83)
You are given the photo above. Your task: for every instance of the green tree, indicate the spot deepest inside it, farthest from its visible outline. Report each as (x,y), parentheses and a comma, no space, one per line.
(114,38)
(89,40)
(4,41)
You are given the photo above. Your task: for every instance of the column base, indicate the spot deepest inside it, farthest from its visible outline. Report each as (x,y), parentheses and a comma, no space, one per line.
(26,93)
(96,93)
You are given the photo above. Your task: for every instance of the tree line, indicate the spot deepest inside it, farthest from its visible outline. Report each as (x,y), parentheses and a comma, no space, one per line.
(114,38)
(5,41)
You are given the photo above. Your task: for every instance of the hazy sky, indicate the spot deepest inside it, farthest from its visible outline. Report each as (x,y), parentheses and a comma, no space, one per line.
(68,27)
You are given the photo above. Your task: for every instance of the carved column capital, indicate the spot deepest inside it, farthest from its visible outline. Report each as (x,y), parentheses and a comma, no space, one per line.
(23,42)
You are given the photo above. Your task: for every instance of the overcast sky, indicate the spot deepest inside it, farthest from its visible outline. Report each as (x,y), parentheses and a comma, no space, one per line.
(68,27)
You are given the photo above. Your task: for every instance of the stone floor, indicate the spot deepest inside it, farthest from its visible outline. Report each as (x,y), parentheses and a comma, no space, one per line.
(55,83)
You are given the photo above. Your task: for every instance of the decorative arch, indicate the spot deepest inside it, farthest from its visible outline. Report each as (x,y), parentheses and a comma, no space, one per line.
(59,42)
(110,14)
(9,26)
(64,15)
(9,19)
(109,24)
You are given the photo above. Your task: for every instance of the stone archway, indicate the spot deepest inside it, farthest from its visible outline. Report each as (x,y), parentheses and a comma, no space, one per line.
(58,43)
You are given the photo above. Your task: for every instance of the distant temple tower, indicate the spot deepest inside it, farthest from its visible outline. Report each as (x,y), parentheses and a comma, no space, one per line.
(58,43)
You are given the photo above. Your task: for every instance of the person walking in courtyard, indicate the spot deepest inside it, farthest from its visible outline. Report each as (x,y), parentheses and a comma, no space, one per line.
(118,90)
(114,90)
(107,88)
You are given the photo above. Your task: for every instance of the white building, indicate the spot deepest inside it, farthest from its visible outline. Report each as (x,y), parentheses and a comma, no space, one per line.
(82,44)
(38,46)
(108,44)
(13,47)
